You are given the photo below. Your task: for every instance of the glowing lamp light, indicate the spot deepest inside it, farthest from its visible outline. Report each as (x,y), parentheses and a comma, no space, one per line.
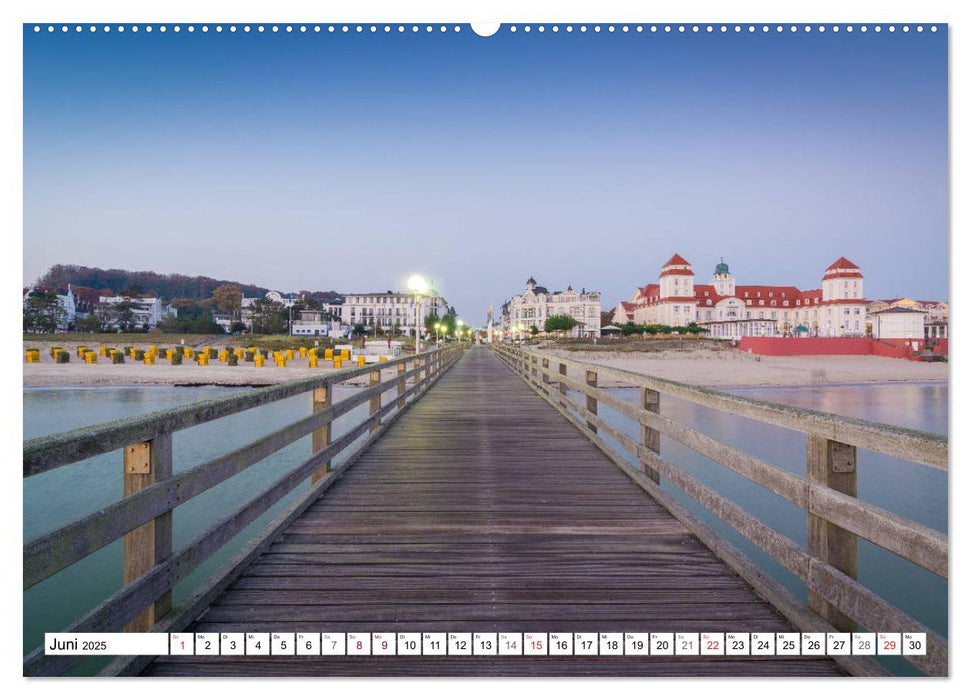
(417,284)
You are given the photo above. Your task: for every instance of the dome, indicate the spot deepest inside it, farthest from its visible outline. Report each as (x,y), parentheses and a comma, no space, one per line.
(721,268)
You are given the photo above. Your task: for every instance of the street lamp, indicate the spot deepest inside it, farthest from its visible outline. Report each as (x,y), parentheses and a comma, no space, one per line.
(418,285)
(438,327)
(458,329)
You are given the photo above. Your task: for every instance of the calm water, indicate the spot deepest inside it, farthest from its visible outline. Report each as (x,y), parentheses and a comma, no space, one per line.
(913,491)
(57,497)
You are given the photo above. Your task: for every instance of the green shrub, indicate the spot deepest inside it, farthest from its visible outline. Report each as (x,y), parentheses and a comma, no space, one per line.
(63,357)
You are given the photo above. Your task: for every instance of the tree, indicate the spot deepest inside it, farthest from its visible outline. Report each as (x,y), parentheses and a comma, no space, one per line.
(132,290)
(268,316)
(430,321)
(43,312)
(561,322)
(89,324)
(228,298)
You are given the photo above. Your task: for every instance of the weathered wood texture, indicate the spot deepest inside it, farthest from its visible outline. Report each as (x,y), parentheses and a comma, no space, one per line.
(483,509)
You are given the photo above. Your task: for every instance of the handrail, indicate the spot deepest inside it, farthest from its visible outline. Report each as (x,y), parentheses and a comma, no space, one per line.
(835,516)
(143,517)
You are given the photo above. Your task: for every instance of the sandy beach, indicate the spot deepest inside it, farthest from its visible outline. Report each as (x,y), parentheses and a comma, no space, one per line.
(731,368)
(77,373)
(704,367)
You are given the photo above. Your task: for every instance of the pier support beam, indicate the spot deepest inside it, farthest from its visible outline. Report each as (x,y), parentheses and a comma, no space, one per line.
(592,402)
(145,463)
(401,385)
(651,438)
(375,400)
(832,464)
(320,438)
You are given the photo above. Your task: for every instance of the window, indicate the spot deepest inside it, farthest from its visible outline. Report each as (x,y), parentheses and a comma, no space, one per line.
(761,302)
(773,301)
(785,303)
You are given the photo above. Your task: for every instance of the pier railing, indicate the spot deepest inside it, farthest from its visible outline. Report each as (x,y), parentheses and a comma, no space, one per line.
(152,489)
(828,492)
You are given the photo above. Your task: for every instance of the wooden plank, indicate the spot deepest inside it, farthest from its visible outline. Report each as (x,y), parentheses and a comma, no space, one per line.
(61,547)
(375,406)
(651,437)
(216,584)
(320,438)
(148,545)
(833,465)
(482,508)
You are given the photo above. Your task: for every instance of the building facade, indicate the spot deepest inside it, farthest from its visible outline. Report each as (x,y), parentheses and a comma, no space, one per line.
(730,310)
(66,299)
(536,304)
(144,311)
(898,323)
(391,310)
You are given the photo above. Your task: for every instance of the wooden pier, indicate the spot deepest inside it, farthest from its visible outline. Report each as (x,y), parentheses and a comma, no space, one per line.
(486,507)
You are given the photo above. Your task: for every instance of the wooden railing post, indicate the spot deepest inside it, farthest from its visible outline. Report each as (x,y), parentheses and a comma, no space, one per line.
(417,365)
(401,385)
(562,386)
(146,463)
(375,400)
(832,464)
(545,374)
(320,438)
(651,438)
(592,402)
(533,367)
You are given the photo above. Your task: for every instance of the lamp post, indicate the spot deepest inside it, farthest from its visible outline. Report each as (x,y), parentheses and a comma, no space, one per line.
(418,285)
(438,327)
(458,329)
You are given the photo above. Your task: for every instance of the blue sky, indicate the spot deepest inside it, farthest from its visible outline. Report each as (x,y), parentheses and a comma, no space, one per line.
(350,161)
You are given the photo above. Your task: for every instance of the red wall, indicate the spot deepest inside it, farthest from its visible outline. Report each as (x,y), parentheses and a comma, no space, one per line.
(805,346)
(825,346)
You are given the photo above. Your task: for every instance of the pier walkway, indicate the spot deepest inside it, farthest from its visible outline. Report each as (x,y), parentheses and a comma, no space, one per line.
(482,509)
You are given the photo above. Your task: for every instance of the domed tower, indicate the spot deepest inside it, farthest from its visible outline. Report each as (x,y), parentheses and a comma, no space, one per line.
(530,283)
(723,281)
(677,278)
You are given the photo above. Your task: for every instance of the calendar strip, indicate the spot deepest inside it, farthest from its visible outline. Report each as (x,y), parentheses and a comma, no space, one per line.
(532,644)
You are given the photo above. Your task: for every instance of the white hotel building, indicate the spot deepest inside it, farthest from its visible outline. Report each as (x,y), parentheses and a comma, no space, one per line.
(730,310)
(536,304)
(388,309)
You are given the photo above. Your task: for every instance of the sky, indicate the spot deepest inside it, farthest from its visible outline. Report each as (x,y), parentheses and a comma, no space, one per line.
(351,161)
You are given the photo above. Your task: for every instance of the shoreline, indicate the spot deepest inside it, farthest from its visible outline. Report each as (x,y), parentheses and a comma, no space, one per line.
(710,368)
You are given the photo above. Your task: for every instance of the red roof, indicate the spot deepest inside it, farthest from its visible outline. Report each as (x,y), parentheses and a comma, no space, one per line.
(676,260)
(843,264)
